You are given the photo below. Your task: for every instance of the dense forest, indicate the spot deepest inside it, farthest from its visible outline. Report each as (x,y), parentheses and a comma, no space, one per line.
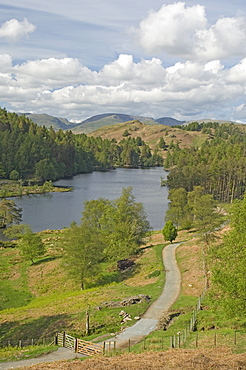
(28,150)
(218,165)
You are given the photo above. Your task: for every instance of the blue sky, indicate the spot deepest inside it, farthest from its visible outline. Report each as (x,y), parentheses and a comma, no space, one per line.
(153,58)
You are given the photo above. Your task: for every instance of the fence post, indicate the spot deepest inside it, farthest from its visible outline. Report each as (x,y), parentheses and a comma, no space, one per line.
(20,343)
(178,339)
(56,339)
(144,342)
(215,339)
(104,347)
(64,339)
(171,342)
(129,345)
(76,345)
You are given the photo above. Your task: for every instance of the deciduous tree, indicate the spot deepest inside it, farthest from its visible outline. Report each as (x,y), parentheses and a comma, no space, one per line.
(9,212)
(228,265)
(83,252)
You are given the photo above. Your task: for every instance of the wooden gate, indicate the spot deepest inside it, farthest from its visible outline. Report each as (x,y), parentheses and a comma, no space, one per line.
(78,345)
(88,348)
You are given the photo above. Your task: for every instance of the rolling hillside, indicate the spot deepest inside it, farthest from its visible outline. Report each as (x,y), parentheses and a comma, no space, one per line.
(95,122)
(151,134)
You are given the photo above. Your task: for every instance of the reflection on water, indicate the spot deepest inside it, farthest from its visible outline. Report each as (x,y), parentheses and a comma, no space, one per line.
(58,210)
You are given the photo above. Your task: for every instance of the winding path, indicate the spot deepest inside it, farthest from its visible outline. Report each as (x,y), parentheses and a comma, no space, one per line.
(147,324)
(149,321)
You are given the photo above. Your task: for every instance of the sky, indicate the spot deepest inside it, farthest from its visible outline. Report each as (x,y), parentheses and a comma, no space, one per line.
(79,58)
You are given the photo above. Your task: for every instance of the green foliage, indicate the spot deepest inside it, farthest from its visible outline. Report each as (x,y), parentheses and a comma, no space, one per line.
(14,175)
(83,252)
(178,211)
(18,353)
(217,165)
(194,209)
(9,212)
(31,246)
(169,231)
(228,265)
(126,133)
(162,143)
(29,150)
(204,212)
(121,224)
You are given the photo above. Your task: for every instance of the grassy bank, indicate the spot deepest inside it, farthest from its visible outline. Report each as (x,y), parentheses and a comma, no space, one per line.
(45,300)
(212,328)
(49,301)
(10,188)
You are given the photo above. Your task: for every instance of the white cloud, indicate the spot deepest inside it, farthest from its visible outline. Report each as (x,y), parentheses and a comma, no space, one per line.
(66,88)
(14,30)
(5,62)
(53,72)
(183,31)
(171,29)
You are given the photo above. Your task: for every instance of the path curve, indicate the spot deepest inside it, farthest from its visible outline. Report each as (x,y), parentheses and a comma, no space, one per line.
(149,321)
(143,327)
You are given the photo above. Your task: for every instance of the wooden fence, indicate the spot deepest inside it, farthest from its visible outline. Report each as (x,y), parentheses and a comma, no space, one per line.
(78,345)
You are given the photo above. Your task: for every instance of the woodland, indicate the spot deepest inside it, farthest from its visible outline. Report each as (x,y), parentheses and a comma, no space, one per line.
(28,151)
(218,165)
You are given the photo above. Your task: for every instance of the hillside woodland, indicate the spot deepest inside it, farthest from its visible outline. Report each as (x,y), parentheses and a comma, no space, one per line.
(28,150)
(40,294)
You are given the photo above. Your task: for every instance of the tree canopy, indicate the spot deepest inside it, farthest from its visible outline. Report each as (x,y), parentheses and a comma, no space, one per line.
(228,265)
(9,212)
(218,164)
(27,149)
(109,230)
(169,231)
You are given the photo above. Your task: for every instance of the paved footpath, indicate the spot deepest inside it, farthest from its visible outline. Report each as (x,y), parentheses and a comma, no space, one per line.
(61,354)
(142,328)
(149,321)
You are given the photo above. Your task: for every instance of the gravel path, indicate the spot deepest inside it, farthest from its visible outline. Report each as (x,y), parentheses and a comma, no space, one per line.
(149,321)
(147,324)
(59,355)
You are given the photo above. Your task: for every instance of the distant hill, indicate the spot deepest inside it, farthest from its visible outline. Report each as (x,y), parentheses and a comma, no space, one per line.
(95,122)
(101,120)
(47,120)
(109,119)
(169,121)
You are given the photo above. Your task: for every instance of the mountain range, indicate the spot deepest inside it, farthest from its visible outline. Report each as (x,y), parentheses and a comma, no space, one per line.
(95,122)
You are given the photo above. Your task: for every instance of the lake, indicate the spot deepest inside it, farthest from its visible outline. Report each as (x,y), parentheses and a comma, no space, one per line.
(58,210)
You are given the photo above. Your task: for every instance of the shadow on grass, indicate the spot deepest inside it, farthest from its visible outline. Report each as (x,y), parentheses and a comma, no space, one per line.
(45,259)
(116,276)
(42,328)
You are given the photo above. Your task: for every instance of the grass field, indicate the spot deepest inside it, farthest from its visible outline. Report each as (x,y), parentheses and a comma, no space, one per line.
(44,300)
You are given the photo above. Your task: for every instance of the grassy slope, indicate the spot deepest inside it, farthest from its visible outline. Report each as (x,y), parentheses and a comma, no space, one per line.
(211,325)
(151,134)
(56,305)
(45,300)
